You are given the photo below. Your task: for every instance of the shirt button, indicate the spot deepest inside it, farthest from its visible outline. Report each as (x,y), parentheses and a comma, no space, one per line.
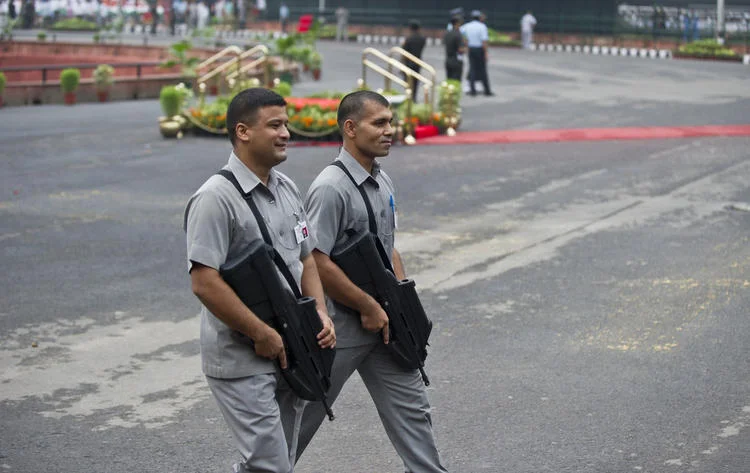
(281,233)
(382,213)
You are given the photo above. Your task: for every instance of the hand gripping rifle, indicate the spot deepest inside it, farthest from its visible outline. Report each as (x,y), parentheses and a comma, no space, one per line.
(365,263)
(254,279)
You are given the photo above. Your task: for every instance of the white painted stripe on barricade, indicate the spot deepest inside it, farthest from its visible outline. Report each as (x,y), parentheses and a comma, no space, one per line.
(586,49)
(568,48)
(746,59)
(577,48)
(596,50)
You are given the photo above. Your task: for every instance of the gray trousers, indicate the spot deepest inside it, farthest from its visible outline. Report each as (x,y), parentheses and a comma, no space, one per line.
(399,396)
(255,408)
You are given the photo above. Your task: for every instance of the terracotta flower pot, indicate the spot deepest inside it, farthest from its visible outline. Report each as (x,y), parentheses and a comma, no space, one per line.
(102,95)
(70,98)
(316,74)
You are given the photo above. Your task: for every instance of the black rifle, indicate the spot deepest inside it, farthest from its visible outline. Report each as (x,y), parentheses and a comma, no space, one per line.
(254,278)
(366,264)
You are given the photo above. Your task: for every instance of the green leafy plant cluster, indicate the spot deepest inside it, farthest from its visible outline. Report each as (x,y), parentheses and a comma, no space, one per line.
(499,39)
(3,81)
(69,79)
(179,56)
(283,88)
(75,24)
(706,48)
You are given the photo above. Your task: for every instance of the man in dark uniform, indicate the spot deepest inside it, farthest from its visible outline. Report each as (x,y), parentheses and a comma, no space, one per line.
(454,50)
(414,44)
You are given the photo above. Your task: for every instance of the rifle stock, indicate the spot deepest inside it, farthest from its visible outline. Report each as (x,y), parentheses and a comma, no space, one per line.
(254,279)
(362,261)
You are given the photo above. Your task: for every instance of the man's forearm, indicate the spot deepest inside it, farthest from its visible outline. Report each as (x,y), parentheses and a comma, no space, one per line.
(311,285)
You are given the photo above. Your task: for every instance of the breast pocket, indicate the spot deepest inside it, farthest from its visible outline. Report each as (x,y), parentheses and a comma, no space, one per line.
(386,222)
(286,235)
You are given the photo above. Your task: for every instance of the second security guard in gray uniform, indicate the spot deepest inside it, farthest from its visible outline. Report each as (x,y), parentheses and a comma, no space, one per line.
(219,226)
(334,205)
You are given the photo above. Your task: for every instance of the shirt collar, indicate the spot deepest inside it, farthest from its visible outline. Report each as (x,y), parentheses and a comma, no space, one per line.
(357,171)
(247,179)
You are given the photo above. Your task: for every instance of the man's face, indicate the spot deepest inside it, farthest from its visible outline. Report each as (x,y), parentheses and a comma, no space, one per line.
(373,134)
(267,138)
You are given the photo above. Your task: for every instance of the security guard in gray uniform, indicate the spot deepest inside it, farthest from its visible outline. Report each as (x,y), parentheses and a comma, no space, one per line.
(334,205)
(252,397)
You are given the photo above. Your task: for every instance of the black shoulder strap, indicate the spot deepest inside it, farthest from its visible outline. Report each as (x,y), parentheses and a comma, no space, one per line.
(370,213)
(263,230)
(370,216)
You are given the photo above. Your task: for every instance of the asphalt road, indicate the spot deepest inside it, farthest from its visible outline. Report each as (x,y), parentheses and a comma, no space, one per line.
(590,300)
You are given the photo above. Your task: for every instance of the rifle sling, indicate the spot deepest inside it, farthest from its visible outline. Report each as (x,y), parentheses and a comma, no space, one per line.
(264,231)
(370,215)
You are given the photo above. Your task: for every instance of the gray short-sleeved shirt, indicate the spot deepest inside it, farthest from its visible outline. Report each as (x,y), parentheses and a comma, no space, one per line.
(334,205)
(219,225)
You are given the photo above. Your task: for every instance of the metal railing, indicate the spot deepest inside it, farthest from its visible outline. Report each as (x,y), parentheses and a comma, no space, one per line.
(235,61)
(407,83)
(263,59)
(44,68)
(429,89)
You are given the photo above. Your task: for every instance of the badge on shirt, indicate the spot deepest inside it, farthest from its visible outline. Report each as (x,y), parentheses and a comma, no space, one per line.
(300,231)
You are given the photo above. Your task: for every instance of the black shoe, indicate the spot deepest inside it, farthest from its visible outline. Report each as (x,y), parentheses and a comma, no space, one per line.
(473,94)
(489,94)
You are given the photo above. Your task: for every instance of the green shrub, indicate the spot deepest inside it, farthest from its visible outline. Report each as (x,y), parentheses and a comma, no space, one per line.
(41,36)
(170,99)
(3,81)
(75,24)
(284,89)
(501,39)
(706,48)
(69,79)
(316,60)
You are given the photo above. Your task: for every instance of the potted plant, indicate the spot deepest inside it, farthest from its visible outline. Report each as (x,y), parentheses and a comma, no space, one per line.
(316,61)
(2,87)
(41,36)
(170,99)
(69,80)
(103,80)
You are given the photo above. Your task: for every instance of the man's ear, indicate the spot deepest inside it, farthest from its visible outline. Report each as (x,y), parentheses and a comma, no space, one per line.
(350,128)
(242,132)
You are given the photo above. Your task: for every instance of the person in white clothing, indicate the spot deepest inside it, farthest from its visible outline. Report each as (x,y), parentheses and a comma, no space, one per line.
(527,29)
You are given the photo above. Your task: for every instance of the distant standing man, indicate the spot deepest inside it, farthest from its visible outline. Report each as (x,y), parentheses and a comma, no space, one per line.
(283,16)
(454,50)
(335,207)
(342,24)
(477,37)
(414,45)
(528,22)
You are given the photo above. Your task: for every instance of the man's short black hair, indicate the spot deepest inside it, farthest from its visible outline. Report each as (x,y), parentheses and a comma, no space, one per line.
(244,107)
(455,20)
(353,104)
(414,25)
